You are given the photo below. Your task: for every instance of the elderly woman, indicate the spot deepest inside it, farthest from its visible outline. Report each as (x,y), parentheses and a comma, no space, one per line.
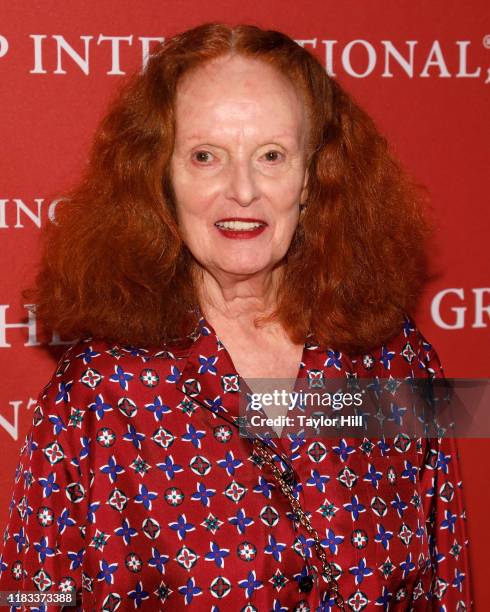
(240,218)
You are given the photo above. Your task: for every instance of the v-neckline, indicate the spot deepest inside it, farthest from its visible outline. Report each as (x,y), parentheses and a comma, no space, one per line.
(308,345)
(299,369)
(247,389)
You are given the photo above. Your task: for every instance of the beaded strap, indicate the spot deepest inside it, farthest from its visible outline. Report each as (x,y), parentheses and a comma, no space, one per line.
(333,587)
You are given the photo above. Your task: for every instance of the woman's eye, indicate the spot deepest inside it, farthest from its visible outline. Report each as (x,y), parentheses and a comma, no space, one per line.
(273,156)
(202,157)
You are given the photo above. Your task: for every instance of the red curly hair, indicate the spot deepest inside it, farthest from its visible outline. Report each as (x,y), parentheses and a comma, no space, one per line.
(114,264)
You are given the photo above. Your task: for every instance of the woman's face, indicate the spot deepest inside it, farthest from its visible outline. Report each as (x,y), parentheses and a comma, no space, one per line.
(238,166)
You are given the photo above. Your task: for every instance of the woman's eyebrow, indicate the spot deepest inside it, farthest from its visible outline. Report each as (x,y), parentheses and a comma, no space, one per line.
(197,137)
(265,139)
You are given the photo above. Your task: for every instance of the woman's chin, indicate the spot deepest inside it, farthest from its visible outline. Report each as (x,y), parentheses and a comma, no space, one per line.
(244,269)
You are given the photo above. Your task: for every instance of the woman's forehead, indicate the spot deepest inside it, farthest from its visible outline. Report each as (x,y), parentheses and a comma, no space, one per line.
(232,66)
(238,89)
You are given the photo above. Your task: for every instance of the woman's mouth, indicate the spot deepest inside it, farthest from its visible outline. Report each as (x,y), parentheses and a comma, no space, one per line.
(240,228)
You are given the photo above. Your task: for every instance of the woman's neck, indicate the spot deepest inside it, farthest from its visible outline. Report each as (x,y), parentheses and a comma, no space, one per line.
(236,298)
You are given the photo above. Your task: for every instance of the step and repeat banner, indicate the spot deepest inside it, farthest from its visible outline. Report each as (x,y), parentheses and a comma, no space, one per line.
(422,70)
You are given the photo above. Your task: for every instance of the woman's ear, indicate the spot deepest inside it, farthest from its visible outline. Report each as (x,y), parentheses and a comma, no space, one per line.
(302,198)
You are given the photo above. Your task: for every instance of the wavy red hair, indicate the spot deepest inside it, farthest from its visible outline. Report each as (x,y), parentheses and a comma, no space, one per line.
(114,264)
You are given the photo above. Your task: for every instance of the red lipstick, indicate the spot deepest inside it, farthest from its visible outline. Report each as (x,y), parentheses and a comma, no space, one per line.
(240,227)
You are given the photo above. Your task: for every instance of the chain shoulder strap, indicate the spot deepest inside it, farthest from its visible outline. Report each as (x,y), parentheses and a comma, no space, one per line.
(262,451)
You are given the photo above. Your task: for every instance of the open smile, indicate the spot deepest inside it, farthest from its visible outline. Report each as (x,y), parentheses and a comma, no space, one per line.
(240,228)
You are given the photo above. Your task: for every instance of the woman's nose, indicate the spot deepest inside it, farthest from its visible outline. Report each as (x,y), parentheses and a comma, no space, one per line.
(242,186)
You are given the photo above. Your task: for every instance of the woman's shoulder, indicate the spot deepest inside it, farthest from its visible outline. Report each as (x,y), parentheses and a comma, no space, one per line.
(91,363)
(406,353)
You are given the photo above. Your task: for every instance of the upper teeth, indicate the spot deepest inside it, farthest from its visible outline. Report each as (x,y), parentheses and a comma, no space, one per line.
(238,225)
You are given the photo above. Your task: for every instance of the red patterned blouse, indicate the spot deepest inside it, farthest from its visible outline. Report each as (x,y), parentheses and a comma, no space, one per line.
(135,490)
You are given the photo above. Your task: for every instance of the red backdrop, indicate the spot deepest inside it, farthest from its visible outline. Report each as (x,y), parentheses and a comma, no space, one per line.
(421,69)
